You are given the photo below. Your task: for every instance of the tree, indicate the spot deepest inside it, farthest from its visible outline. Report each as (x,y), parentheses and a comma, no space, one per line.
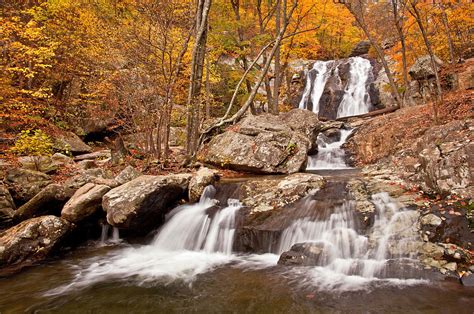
(197,66)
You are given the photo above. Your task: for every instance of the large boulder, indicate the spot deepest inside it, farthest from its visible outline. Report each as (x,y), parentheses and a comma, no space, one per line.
(263,144)
(94,175)
(140,205)
(70,142)
(423,69)
(446,156)
(85,202)
(23,184)
(271,205)
(203,177)
(49,200)
(31,241)
(7,207)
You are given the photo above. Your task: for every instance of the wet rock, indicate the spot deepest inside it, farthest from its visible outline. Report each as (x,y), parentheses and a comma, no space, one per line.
(433,250)
(305,254)
(422,68)
(101,154)
(70,142)
(203,177)
(23,184)
(261,144)
(431,220)
(140,205)
(467,280)
(49,200)
(85,202)
(127,174)
(7,207)
(31,241)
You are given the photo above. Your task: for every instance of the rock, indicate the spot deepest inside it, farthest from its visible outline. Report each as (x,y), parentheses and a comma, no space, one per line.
(127,174)
(446,157)
(203,177)
(95,175)
(451,266)
(61,159)
(466,77)
(271,205)
(31,241)
(431,220)
(261,144)
(305,254)
(86,164)
(38,163)
(422,69)
(467,280)
(85,202)
(361,48)
(140,205)
(49,200)
(432,250)
(23,184)
(7,207)
(70,142)
(101,154)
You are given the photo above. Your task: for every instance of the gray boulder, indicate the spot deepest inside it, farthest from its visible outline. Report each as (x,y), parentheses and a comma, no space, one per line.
(31,241)
(95,175)
(263,144)
(85,202)
(23,184)
(49,200)
(203,177)
(101,154)
(140,205)
(422,69)
(7,207)
(70,142)
(361,48)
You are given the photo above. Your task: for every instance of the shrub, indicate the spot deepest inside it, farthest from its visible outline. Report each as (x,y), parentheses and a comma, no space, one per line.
(36,143)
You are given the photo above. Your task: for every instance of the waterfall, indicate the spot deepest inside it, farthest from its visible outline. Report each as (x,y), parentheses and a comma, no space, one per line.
(191,228)
(356,97)
(316,88)
(346,252)
(346,95)
(330,155)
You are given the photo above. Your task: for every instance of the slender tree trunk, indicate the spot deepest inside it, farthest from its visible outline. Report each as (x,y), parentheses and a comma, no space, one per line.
(444,19)
(197,65)
(398,21)
(416,14)
(276,74)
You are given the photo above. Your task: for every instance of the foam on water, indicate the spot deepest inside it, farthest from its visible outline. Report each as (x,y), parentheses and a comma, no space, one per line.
(330,155)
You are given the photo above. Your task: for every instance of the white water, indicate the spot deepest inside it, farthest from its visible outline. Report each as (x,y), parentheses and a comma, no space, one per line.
(330,155)
(192,242)
(356,99)
(323,69)
(350,259)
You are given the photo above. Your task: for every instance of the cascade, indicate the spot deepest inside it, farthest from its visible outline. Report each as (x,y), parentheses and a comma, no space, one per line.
(346,252)
(330,155)
(340,85)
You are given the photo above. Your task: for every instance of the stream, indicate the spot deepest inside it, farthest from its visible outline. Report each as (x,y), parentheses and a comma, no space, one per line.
(190,265)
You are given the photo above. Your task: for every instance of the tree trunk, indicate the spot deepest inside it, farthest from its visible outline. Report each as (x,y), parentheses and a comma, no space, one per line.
(197,65)
(417,16)
(276,72)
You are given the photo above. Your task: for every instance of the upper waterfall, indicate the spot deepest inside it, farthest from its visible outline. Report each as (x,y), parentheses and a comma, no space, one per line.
(339,88)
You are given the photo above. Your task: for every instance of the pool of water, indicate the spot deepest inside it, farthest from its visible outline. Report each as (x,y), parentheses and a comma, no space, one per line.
(243,284)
